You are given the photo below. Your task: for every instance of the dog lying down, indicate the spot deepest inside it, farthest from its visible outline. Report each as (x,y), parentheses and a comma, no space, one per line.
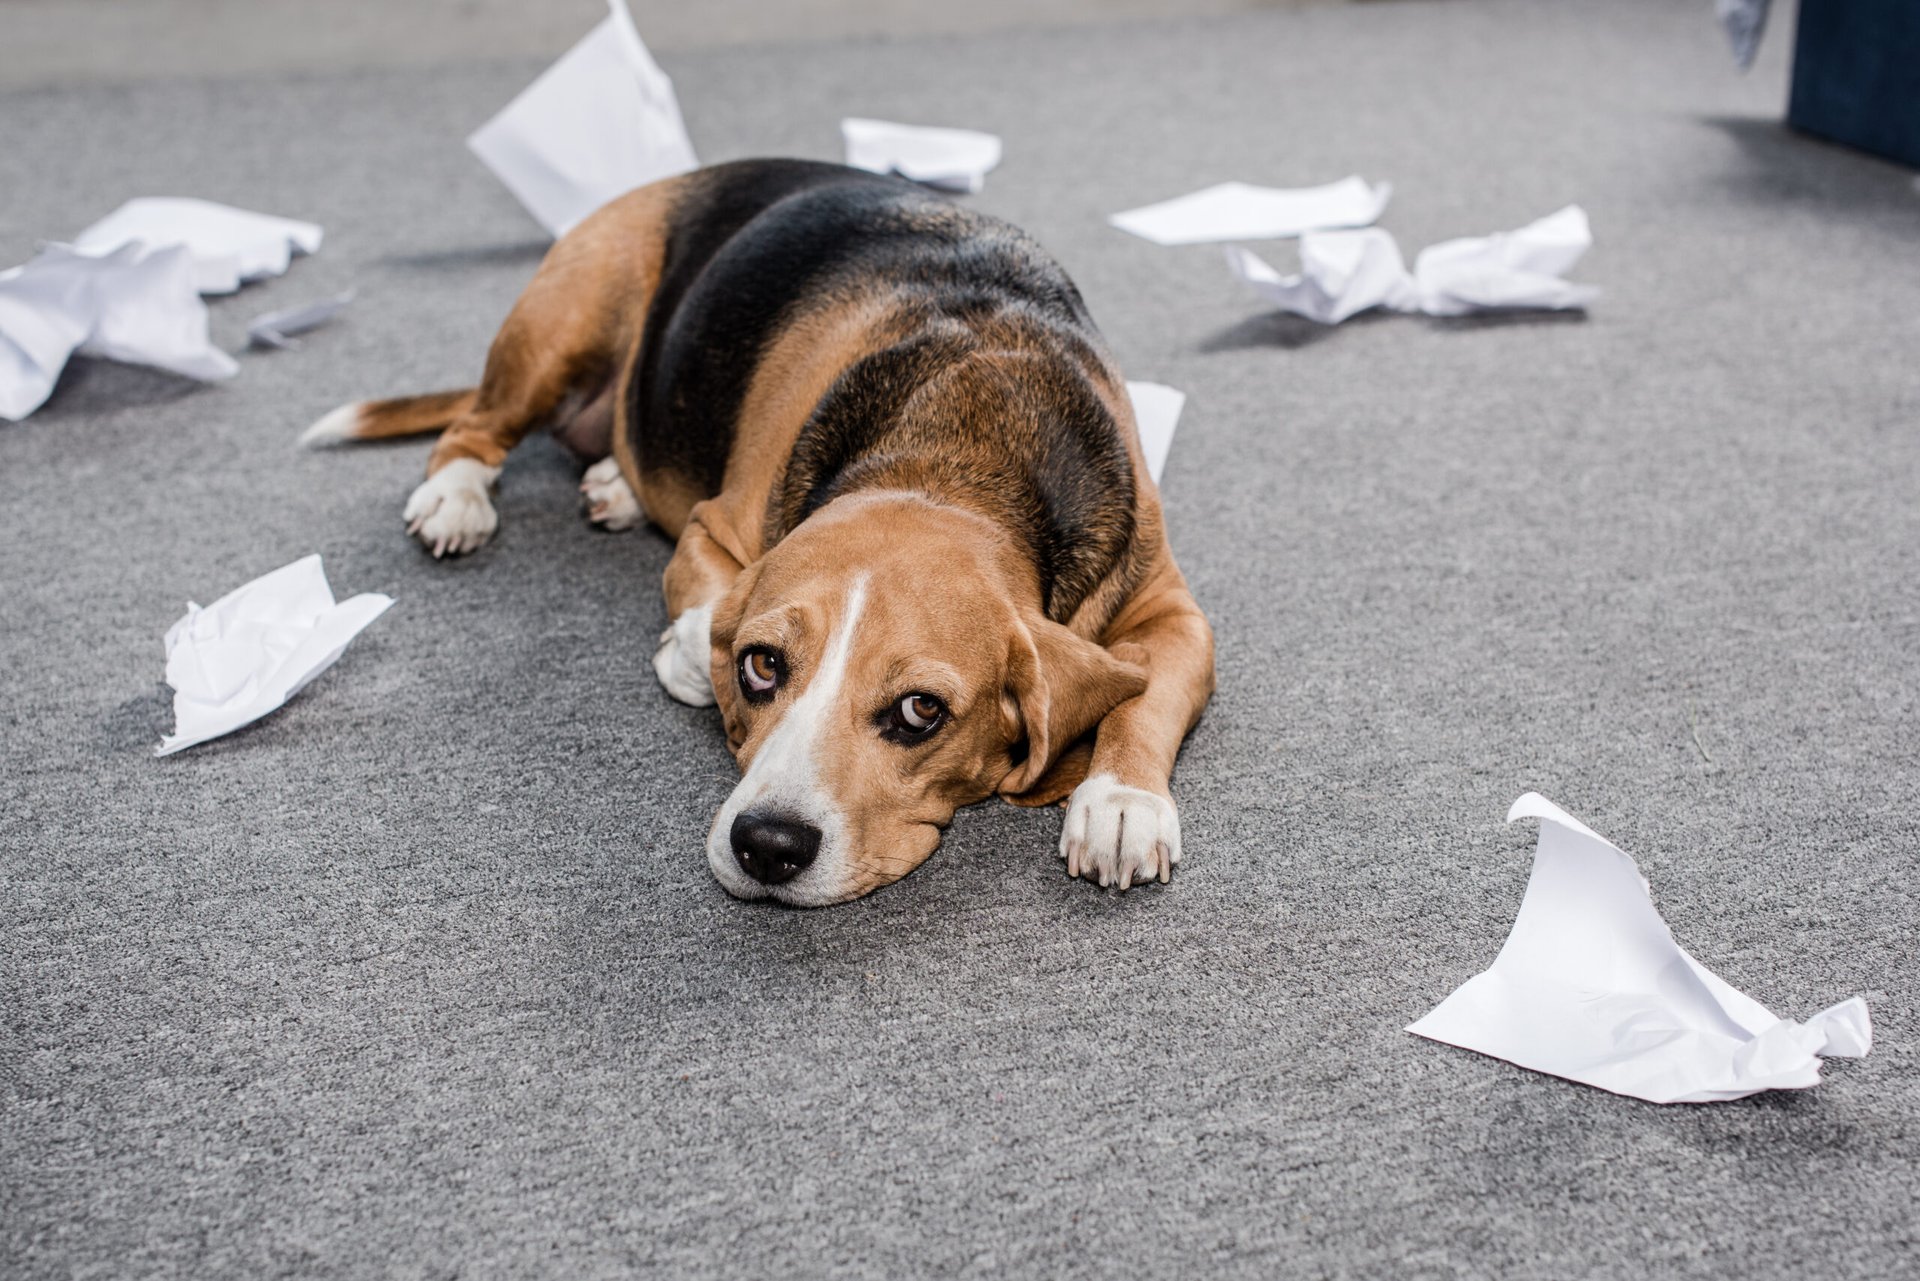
(919,560)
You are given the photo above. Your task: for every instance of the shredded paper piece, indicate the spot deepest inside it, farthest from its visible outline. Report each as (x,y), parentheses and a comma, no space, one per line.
(1239,211)
(1744,21)
(230,247)
(129,289)
(598,123)
(1591,986)
(246,654)
(278,328)
(1343,273)
(1156,410)
(950,159)
(135,304)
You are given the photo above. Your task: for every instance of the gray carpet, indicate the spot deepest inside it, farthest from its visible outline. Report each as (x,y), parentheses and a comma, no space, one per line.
(426,977)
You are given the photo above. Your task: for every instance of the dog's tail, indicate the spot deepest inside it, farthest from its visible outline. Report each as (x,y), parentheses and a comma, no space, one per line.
(385,419)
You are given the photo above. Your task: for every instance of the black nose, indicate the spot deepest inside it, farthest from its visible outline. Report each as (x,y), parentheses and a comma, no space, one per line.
(772,849)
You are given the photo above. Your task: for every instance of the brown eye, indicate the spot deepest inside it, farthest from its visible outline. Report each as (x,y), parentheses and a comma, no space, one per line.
(917,715)
(761,671)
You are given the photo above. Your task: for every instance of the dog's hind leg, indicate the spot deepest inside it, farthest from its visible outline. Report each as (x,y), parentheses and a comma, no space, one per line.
(556,354)
(611,502)
(556,363)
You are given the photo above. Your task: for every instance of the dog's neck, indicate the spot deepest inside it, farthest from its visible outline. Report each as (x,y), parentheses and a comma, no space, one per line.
(1019,438)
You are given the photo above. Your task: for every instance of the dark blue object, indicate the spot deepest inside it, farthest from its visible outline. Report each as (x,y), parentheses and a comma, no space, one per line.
(1856,75)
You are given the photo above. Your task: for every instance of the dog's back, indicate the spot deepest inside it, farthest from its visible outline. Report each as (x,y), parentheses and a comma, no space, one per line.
(968,365)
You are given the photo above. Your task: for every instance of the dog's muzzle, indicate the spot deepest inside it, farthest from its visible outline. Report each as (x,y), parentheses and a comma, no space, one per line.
(772,848)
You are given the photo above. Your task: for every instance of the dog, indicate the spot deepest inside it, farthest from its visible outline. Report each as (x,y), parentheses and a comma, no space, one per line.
(919,559)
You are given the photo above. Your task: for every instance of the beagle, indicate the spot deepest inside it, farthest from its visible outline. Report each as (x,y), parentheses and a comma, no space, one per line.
(919,558)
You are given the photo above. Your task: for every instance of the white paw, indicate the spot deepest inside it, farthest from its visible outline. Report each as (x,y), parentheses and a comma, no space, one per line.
(611,503)
(1119,835)
(450,512)
(682,661)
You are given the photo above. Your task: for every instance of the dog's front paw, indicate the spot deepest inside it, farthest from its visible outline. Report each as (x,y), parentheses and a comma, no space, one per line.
(611,503)
(450,512)
(682,660)
(1119,835)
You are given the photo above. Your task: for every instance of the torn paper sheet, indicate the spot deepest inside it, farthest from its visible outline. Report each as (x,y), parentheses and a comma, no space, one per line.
(250,651)
(278,328)
(230,247)
(1343,273)
(134,304)
(1238,211)
(598,123)
(1591,986)
(1744,21)
(1156,411)
(1508,270)
(950,159)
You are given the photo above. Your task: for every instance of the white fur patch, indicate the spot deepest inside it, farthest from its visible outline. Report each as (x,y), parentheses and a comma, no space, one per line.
(450,511)
(683,660)
(784,776)
(333,427)
(611,502)
(1119,835)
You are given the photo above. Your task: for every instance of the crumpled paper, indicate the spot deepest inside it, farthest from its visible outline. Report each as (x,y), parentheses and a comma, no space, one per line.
(1343,273)
(1591,986)
(230,247)
(1242,211)
(1156,412)
(246,654)
(949,159)
(136,304)
(595,125)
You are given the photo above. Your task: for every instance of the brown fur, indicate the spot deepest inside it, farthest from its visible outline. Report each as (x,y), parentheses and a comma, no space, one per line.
(959,605)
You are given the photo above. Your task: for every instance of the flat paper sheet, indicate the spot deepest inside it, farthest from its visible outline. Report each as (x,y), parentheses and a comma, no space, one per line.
(1343,273)
(134,304)
(1591,986)
(595,125)
(1156,411)
(950,159)
(230,247)
(246,654)
(1240,211)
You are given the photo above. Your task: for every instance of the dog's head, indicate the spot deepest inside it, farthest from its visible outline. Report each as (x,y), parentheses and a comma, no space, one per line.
(875,674)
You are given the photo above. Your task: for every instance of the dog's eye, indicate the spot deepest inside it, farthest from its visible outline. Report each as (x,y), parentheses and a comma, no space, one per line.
(761,672)
(918,714)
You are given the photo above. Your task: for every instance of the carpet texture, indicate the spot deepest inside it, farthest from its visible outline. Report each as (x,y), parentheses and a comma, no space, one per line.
(425,976)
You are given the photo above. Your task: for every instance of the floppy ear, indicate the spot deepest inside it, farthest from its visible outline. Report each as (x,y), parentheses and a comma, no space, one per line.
(722,627)
(1058,687)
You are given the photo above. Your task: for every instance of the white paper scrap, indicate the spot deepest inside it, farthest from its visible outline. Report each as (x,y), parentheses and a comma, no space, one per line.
(230,247)
(1239,211)
(1591,986)
(1343,273)
(277,328)
(1744,21)
(950,159)
(1156,411)
(250,651)
(595,125)
(1507,270)
(134,304)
